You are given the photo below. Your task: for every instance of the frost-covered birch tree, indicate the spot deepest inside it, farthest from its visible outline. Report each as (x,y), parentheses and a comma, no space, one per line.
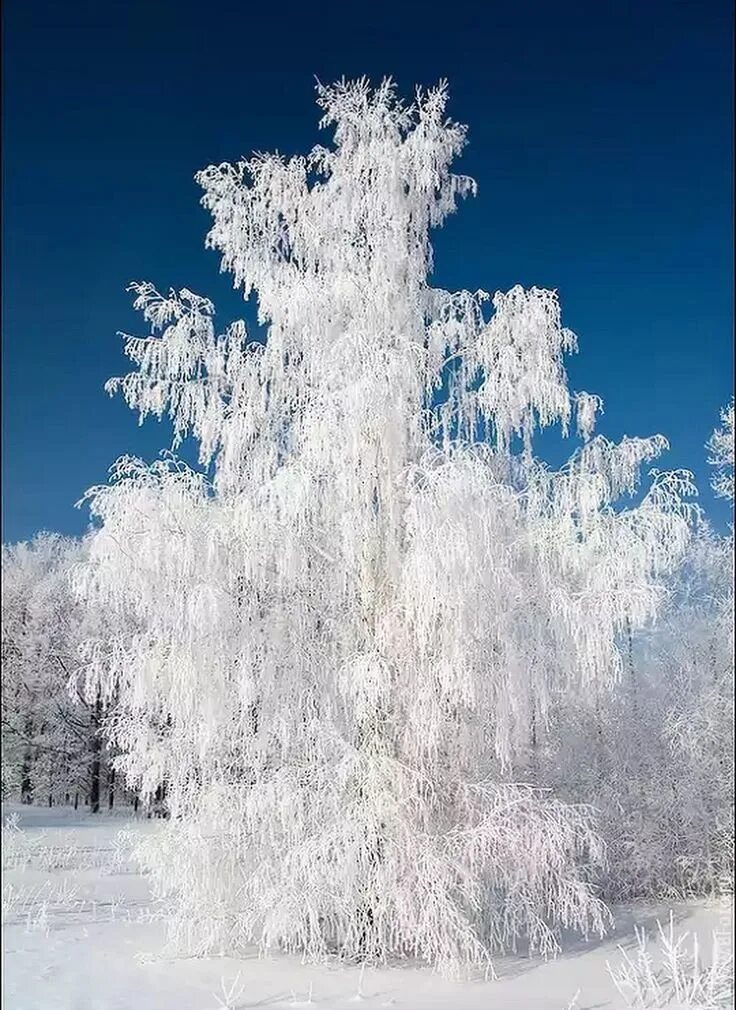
(721,447)
(697,644)
(349,620)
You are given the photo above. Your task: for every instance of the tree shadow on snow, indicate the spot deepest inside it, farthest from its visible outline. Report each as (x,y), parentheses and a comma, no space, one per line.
(621,932)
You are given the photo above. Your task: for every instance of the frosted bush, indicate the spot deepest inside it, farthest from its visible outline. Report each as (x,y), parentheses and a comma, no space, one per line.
(675,975)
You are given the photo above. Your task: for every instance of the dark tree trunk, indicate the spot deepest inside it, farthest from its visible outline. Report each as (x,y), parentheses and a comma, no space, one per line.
(159,802)
(94,782)
(26,781)
(111,788)
(95,749)
(76,801)
(366,945)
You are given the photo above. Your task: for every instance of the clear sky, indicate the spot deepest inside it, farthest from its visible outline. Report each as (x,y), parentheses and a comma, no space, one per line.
(600,138)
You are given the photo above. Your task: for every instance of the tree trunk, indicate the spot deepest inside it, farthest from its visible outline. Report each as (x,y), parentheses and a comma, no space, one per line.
(26,782)
(111,788)
(95,748)
(159,802)
(94,784)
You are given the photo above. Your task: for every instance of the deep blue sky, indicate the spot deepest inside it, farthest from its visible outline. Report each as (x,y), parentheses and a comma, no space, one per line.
(599,136)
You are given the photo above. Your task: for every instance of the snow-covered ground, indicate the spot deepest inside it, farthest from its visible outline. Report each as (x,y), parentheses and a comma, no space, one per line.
(81,932)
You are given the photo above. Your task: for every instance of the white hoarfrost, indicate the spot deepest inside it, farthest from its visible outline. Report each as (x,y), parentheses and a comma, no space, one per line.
(339,635)
(678,977)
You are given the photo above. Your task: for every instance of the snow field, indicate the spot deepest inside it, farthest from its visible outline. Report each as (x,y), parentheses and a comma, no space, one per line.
(82,931)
